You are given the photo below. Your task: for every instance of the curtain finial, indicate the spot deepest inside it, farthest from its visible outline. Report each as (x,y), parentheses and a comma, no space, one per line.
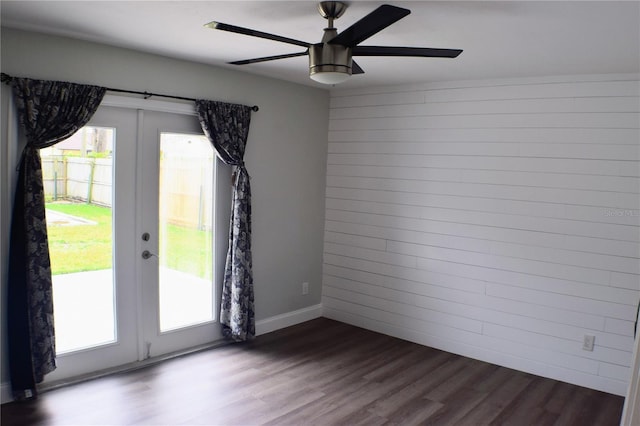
(5,78)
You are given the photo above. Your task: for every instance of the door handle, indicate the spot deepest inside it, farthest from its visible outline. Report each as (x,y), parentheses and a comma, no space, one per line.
(147,254)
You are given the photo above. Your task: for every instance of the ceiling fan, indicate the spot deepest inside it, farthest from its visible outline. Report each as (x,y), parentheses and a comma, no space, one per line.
(330,61)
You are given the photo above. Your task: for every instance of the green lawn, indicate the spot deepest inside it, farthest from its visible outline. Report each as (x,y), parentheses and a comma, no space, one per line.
(81,248)
(187,250)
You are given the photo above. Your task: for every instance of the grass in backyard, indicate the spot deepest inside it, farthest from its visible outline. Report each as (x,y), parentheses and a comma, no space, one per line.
(187,250)
(82,248)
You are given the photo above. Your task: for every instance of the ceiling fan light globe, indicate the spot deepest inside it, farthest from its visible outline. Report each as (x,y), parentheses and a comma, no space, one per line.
(330,77)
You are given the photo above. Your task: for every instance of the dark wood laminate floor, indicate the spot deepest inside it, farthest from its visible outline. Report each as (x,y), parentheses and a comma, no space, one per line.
(321,372)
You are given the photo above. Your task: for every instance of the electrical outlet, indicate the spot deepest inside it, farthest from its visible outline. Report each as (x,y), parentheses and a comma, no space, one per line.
(587,344)
(305,288)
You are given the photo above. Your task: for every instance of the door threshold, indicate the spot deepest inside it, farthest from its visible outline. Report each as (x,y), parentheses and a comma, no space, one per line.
(125,368)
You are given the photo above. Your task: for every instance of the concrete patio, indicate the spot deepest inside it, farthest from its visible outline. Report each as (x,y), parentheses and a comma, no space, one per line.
(85,311)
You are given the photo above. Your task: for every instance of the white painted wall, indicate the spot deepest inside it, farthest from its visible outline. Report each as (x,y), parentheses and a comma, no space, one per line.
(286,153)
(498,220)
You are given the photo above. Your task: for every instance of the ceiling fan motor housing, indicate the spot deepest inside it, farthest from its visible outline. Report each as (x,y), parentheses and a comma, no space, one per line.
(325,57)
(329,58)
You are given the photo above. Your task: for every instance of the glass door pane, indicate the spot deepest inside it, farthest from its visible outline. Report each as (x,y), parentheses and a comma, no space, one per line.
(78,179)
(185,230)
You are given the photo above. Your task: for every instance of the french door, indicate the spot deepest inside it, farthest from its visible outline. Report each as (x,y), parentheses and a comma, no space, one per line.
(152,207)
(177,208)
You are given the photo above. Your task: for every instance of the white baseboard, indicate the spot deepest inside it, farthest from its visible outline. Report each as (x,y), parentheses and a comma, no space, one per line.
(277,322)
(5,393)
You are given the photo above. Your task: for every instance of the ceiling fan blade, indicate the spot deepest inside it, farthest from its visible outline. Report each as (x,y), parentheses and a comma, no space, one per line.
(246,31)
(268,58)
(355,68)
(423,52)
(374,22)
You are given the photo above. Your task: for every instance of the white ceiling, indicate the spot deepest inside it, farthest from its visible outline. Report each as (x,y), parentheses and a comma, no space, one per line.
(500,39)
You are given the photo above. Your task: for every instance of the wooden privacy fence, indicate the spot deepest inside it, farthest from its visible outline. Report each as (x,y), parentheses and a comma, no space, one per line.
(79,179)
(186,197)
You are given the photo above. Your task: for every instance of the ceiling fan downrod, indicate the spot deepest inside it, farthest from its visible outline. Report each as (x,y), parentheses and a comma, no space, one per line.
(331,10)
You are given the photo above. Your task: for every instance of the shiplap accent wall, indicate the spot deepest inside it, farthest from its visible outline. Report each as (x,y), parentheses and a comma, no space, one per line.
(498,220)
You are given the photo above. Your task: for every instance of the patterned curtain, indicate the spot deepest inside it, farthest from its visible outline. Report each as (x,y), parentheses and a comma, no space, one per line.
(48,112)
(227,127)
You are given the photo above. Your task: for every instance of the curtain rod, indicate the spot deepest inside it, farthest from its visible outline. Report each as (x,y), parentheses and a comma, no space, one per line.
(6,78)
